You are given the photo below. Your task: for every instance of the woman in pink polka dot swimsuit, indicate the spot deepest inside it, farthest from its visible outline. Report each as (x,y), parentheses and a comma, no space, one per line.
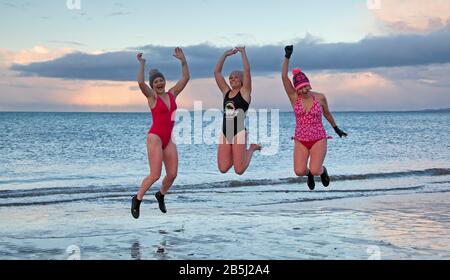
(310,135)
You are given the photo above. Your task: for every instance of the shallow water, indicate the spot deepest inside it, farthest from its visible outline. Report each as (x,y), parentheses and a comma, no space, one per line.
(66,179)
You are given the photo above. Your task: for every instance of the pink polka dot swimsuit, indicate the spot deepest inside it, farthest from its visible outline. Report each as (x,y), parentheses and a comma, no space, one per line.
(309,129)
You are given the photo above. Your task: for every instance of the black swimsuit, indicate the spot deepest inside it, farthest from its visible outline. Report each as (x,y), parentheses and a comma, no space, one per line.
(234,111)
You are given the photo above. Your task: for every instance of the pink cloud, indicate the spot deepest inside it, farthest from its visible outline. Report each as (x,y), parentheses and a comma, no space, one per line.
(42,94)
(413,15)
(106,94)
(35,54)
(403,88)
(400,88)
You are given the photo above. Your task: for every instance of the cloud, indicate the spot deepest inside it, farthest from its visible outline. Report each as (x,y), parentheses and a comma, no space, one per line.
(383,88)
(371,52)
(403,88)
(49,94)
(7,4)
(73,43)
(387,89)
(19,93)
(413,15)
(36,54)
(435,75)
(345,91)
(117,94)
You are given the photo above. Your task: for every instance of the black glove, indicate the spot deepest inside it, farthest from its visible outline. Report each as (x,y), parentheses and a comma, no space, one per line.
(288,50)
(339,132)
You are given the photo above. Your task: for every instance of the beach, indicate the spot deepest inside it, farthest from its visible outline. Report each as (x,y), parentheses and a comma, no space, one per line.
(67,181)
(257,222)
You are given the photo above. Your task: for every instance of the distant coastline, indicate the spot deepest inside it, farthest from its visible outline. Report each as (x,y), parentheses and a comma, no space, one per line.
(437,110)
(399,111)
(281,111)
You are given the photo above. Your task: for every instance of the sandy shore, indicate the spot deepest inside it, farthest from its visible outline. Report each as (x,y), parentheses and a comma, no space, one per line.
(400,226)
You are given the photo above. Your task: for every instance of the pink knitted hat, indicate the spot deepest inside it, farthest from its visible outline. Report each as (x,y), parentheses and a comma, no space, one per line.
(300,79)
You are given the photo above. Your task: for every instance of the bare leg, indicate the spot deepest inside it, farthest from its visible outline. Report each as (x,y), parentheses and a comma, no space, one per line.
(242,156)
(170,158)
(318,153)
(224,155)
(301,155)
(155,158)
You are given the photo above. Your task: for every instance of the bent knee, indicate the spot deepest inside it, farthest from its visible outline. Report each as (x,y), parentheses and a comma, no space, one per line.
(171,176)
(155,176)
(301,171)
(224,169)
(239,170)
(317,171)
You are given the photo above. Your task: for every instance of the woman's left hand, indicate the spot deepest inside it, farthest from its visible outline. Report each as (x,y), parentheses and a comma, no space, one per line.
(339,132)
(240,49)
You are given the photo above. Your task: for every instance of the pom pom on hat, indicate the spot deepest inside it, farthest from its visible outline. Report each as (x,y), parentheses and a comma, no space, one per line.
(296,71)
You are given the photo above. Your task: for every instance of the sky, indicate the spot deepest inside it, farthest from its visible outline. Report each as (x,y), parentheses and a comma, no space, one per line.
(364,55)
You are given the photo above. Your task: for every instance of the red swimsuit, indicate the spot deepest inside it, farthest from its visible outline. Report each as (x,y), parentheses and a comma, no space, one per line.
(163,119)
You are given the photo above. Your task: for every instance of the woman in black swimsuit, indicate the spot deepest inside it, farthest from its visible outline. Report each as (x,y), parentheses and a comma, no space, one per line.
(232,149)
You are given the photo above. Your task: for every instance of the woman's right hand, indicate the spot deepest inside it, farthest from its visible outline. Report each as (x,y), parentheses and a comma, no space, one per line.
(230,52)
(288,51)
(139,57)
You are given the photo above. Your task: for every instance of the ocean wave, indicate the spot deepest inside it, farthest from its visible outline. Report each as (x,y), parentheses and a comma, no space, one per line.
(93,192)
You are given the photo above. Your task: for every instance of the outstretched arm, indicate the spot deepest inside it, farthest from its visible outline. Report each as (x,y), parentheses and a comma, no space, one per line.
(327,114)
(145,89)
(181,84)
(288,87)
(220,80)
(247,82)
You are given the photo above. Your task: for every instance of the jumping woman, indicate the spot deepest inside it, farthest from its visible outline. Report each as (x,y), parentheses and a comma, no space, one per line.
(160,148)
(310,135)
(232,150)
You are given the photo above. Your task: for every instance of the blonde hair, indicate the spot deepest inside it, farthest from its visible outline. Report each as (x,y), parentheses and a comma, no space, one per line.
(238,73)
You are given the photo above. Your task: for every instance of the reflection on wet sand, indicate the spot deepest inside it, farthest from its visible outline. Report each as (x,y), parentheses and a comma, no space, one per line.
(417,229)
(160,253)
(136,251)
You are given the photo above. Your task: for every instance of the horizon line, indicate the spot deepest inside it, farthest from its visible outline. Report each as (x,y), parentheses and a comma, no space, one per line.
(281,111)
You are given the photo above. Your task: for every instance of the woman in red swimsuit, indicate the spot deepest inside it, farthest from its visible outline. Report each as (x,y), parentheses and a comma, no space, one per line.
(160,147)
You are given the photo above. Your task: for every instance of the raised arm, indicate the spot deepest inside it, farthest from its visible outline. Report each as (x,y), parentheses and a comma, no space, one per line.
(181,84)
(327,114)
(220,80)
(145,89)
(247,82)
(288,87)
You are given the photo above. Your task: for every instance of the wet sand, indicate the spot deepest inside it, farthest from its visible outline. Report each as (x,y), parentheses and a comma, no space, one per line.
(391,226)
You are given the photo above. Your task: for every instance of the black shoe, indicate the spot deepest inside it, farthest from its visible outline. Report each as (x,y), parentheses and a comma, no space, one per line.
(311,183)
(135,204)
(162,206)
(325,178)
